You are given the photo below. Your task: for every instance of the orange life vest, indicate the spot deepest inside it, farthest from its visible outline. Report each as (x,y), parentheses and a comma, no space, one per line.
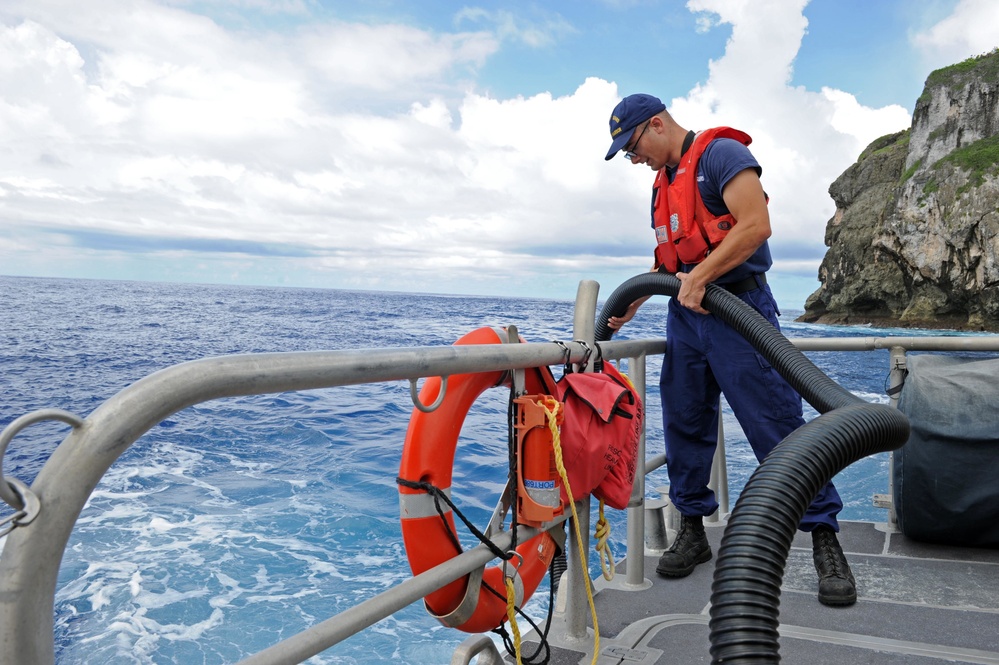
(686,231)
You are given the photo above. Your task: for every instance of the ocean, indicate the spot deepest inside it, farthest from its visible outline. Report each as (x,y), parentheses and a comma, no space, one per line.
(239,522)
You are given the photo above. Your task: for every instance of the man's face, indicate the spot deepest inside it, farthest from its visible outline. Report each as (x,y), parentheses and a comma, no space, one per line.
(640,150)
(629,152)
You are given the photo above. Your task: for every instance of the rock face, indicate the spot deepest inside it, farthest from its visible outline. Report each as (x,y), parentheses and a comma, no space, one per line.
(915,237)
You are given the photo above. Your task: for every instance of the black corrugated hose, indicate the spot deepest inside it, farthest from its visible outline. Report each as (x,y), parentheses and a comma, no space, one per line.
(749,569)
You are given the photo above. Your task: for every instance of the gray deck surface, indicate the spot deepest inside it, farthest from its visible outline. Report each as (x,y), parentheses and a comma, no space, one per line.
(917,603)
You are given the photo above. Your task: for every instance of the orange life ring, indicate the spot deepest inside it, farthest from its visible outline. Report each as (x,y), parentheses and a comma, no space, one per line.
(428,457)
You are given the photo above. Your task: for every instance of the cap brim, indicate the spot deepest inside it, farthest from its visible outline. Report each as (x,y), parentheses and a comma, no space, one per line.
(619,143)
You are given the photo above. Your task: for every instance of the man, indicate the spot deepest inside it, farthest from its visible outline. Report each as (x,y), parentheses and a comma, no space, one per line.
(710,215)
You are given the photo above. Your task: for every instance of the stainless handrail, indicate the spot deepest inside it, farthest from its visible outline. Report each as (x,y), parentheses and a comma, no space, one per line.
(29,564)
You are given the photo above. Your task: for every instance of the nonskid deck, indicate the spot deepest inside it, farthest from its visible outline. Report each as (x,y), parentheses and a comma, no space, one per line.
(917,604)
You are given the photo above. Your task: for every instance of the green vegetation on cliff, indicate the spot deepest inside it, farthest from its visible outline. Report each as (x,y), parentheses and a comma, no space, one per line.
(979,158)
(886,143)
(985,66)
(911,170)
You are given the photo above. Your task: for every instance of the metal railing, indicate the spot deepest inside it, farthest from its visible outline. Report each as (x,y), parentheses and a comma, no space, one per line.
(34,547)
(46,513)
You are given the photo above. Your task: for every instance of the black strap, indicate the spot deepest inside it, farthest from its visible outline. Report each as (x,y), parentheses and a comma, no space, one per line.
(751,283)
(688,140)
(891,392)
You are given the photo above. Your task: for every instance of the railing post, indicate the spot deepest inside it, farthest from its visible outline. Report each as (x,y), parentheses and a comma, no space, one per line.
(719,473)
(636,507)
(896,377)
(585,312)
(576,601)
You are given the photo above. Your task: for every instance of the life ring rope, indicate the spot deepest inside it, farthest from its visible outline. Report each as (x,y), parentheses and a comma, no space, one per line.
(513,584)
(443,495)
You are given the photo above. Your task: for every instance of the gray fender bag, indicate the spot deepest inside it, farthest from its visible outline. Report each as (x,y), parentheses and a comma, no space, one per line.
(946,485)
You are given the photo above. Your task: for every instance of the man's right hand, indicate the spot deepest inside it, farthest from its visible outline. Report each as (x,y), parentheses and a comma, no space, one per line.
(615,322)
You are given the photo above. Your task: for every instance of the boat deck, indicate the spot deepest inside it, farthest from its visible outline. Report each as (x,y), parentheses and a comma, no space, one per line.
(917,604)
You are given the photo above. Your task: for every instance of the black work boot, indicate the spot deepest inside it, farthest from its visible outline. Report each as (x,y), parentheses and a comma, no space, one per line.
(836,584)
(689,549)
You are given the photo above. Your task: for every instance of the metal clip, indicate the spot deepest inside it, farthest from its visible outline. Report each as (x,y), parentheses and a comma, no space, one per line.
(7,492)
(416,397)
(566,353)
(32,506)
(587,352)
(13,520)
(512,573)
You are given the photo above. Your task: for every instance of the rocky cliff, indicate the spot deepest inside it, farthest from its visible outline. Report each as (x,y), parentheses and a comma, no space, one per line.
(915,237)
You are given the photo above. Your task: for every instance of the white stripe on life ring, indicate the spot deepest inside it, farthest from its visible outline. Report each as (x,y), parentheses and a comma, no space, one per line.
(415,506)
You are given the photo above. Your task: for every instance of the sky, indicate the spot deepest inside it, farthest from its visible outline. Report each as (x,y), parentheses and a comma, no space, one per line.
(431,146)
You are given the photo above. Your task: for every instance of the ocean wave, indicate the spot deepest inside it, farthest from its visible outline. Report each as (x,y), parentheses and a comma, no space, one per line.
(239,522)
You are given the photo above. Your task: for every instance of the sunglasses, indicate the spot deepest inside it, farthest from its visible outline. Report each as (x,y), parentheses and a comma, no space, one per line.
(630,152)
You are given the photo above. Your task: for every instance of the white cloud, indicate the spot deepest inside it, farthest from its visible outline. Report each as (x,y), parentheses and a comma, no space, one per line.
(544,31)
(971,29)
(384,57)
(39,73)
(803,139)
(358,154)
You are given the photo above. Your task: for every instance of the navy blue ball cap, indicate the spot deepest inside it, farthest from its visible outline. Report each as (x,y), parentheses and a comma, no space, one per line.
(630,112)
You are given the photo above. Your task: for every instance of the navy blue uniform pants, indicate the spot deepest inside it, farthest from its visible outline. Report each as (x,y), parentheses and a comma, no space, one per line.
(706,357)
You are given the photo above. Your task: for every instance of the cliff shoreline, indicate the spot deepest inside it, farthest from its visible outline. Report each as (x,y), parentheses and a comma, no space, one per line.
(914,241)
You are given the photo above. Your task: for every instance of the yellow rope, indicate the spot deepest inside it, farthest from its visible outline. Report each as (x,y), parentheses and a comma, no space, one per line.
(602,534)
(626,378)
(556,442)
(511,612)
